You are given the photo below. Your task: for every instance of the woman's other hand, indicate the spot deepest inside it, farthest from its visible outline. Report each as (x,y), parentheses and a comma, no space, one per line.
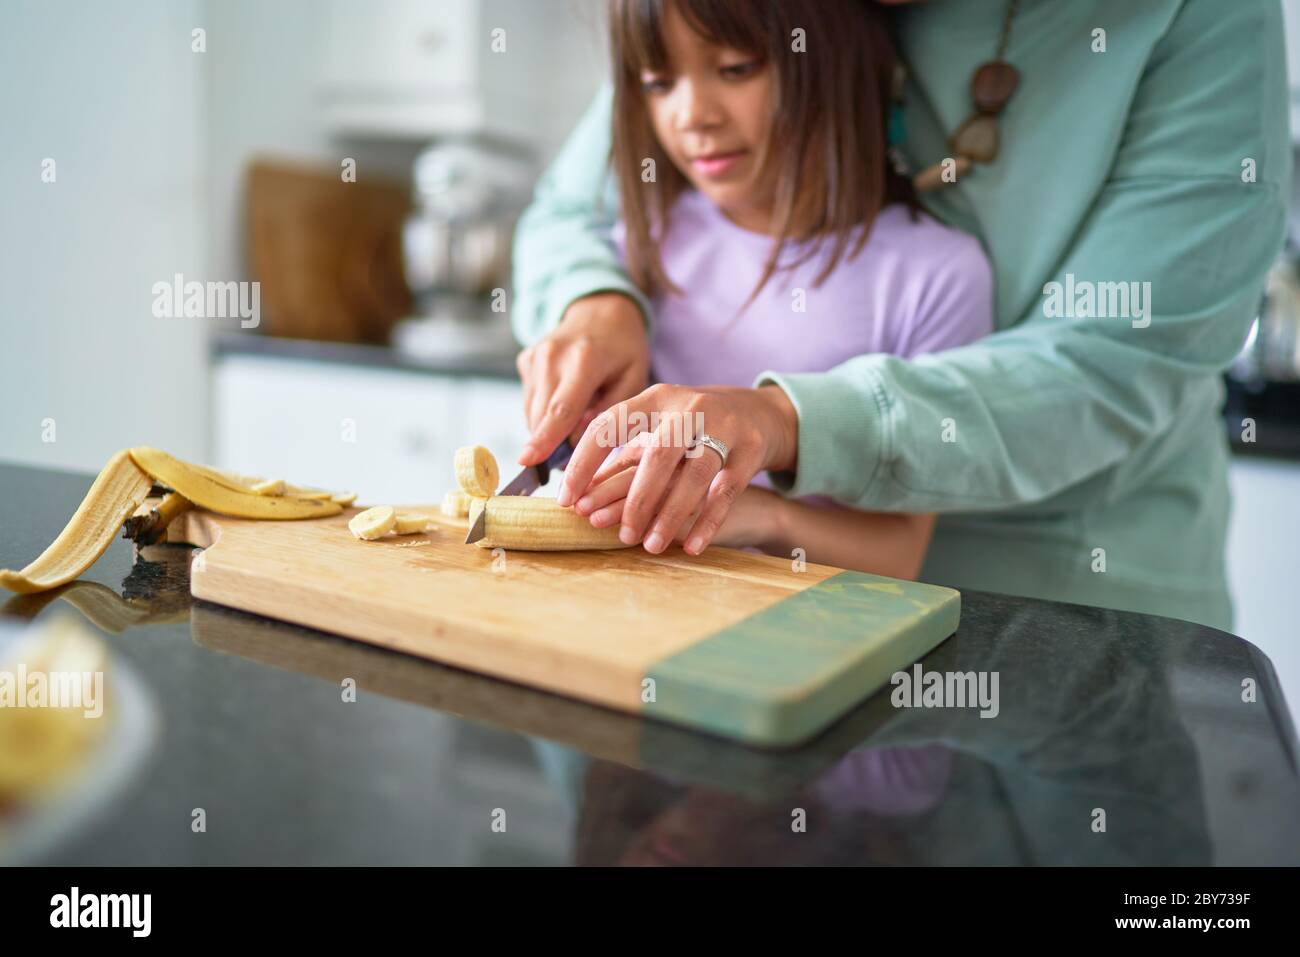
(599,354)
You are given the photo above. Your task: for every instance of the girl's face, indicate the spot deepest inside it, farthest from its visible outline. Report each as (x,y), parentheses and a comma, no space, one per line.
(711,112)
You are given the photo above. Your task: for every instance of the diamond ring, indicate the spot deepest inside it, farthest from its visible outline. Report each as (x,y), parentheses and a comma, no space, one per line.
(717,445)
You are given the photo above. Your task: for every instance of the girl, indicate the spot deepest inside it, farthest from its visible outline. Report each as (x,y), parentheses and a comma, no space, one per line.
(763,237)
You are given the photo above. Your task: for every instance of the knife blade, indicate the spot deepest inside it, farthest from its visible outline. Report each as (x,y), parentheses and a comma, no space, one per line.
(525,483)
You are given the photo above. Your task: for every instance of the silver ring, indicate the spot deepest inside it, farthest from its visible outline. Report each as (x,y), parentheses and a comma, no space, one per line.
(717,445)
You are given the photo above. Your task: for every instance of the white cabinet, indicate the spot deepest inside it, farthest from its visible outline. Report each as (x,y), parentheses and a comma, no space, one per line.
(428,68)
(403,49)
(387,434)
(1263,557)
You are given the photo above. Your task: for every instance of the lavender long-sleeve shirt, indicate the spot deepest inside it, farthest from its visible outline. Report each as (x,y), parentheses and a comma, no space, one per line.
(917,286)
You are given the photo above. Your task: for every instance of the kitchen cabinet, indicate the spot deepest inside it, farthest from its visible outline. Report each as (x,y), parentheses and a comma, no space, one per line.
(410,68)
(387,433)
(1263,555)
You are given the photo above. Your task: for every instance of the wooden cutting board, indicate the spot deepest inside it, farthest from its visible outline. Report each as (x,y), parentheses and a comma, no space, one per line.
(744,646)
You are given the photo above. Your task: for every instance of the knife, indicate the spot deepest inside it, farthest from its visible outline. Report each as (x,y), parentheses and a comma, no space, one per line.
(525,483)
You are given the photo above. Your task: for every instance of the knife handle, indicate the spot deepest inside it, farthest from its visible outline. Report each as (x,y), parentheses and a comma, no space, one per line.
(557,460)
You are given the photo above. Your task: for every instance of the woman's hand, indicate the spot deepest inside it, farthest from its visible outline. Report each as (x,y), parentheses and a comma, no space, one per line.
(598,355)
(668,486)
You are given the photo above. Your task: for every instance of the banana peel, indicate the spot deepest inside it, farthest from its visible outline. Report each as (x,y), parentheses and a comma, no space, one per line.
(118,491)
(122,487)
(201,487)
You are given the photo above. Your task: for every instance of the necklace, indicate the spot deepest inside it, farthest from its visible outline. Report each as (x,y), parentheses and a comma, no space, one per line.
(976,140)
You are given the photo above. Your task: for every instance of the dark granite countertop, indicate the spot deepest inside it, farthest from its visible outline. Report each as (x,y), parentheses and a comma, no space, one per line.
(1139,718)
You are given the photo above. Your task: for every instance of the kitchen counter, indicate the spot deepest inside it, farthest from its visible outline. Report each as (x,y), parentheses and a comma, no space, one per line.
(358,354)
(1119,739)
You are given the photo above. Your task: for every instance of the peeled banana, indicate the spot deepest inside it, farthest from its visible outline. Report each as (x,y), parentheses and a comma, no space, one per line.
(528,523)
(476,471)
(522,522)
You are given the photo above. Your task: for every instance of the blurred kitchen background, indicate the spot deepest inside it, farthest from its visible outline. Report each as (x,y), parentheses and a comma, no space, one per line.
(215,139)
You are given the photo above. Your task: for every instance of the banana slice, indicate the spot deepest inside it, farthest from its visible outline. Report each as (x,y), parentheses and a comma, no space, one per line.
(455,504)
(343,498)
(373,522)
(408,523)
(271,487)
(476,471)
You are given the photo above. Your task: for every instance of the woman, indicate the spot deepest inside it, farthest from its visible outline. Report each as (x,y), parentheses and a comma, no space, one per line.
(1075,454)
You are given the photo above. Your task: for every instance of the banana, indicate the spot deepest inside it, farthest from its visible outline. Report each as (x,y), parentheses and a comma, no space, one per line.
(455,504)
(476,471)
(118,491)
(373,522)
(529,523)
(40,745)
(199,485)
(408,523)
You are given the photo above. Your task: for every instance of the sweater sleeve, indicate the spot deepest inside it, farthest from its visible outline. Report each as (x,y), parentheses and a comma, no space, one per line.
(562,247)
(1054,399)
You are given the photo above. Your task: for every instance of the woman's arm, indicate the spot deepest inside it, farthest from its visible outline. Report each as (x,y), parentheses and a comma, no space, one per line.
(1192,211)
(562,250)
(575,310)
(878,542)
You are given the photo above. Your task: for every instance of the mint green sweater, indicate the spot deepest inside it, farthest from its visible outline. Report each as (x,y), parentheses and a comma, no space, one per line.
(1071,456)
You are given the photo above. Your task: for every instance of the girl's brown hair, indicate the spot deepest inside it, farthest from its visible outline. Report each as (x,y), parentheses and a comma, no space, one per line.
(827,152)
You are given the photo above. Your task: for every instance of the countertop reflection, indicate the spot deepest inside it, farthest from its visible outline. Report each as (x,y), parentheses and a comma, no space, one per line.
(1119,739)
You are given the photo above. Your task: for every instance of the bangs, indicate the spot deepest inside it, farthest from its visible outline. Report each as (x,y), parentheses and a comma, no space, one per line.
(639,29)
(825,157)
